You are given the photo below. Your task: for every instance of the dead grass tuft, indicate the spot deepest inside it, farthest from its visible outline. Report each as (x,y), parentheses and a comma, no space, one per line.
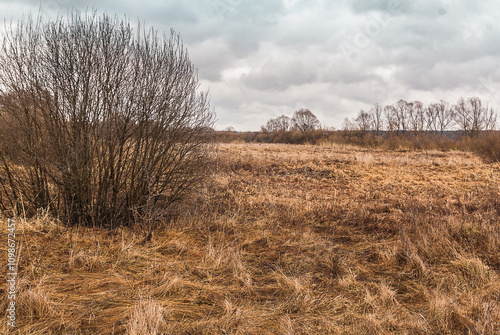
(147,317)
(474,272)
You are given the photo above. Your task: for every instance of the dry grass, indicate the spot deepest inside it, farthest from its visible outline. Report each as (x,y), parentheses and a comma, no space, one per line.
(288,240)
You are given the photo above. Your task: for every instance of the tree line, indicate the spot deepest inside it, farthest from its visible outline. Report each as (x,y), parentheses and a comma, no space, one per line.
(470,116)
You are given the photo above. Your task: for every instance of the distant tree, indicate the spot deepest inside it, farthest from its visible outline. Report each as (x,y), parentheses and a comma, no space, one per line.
(364,121)
(304,120)
(431,118)
(229,129)
(444,114)
(463,117)
(376,113)
(416,116)
(401,116)
(391,118)
(473,118)
(281,123)
(491,118)
(348,125)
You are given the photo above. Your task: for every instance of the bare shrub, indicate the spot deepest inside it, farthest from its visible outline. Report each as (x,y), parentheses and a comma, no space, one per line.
(98,120)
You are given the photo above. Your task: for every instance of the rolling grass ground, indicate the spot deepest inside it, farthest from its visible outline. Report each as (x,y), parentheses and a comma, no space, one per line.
(284,240)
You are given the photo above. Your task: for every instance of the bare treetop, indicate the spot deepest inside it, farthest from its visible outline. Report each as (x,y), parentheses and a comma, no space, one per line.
(305,120)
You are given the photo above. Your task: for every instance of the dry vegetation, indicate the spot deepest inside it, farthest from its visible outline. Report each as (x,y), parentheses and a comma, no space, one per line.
(292,240)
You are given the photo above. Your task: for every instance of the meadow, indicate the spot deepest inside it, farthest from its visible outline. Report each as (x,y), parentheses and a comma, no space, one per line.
(284,239)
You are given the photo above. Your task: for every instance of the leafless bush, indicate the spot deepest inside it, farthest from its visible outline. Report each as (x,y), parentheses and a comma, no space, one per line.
(98,119)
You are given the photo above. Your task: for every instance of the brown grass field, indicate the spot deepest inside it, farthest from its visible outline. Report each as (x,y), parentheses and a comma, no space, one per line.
(285,239)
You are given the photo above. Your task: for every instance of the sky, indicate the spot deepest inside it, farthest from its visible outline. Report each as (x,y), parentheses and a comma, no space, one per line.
(262,59)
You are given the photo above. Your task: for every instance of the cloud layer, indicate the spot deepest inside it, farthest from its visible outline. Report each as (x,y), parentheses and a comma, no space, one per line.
(261,59)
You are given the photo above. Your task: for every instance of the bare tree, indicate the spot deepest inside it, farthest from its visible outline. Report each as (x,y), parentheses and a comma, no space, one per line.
(445,115)
(376,113)
(431,118)
(473,118)
(490,120)
(364,121)
(462,116)
(347,125)
(392,119)
(416,116)
(104,120)
(304,120)
(281,123)
(401,116)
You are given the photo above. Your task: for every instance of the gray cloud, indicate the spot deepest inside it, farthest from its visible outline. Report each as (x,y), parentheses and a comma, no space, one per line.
(261,59)
(278,75)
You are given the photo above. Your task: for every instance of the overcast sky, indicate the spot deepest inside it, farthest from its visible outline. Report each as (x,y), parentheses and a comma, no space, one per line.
(261,59)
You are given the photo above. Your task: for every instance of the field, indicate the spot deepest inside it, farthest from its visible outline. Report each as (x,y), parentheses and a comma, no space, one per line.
(286,239)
